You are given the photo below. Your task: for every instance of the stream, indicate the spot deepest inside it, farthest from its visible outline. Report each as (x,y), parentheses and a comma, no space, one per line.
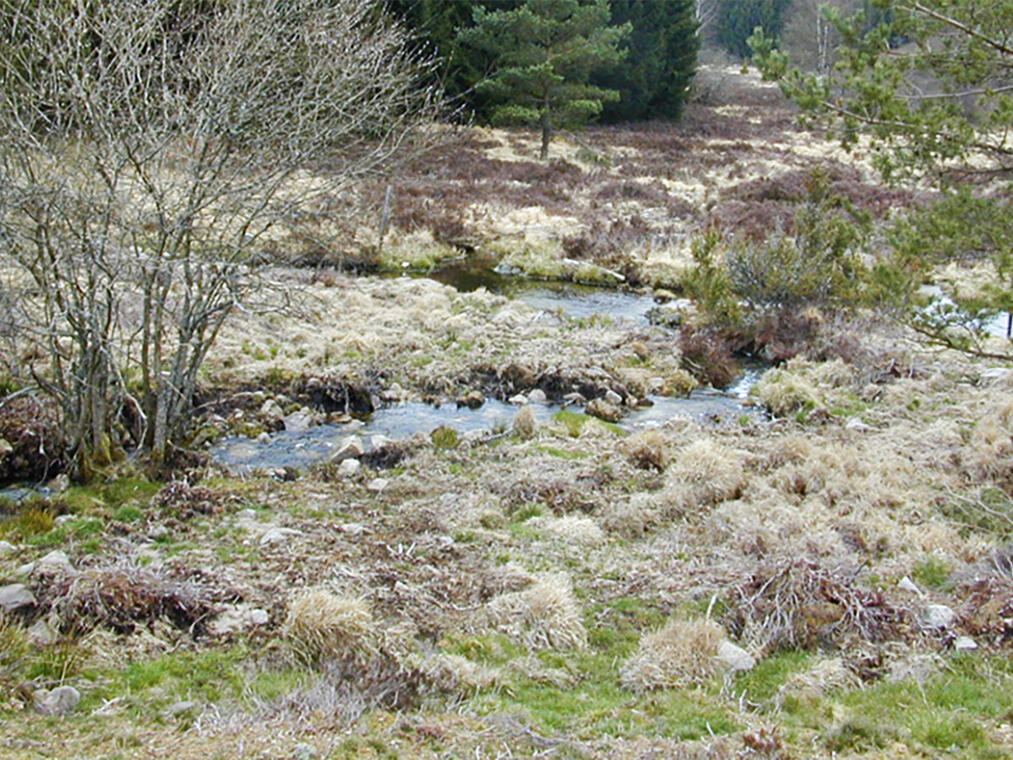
(401,421)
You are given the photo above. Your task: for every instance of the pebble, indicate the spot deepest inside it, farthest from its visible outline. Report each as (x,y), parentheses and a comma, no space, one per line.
(59,701)
(349,467)
(906,584)
(537,396)
(613,398)
(520,399)
(348,448)
(734,657)
(15,596)
(965,644)
(7,548)
(937,616)
(278,535)
(377,484)
(237,617)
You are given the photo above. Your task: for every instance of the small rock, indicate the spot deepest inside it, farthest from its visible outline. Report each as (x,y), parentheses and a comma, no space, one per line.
(965,644)
(6,548)
(392,394)
(378,442)
(237,617)
(537,396)
(5,447)
(473,399)
(734,657)
(353,529)
(574,398)
(377,484)
(59,701)
(54,563)
(906,584)
(64,519)
(524,422)
(246,514)
(15,596)
(264,437)
(41,634)
(270,408)
(856,424)
(299,422)
(278,535)
(613,398)
(349,447)
(349,467)
(603,410)
(937,616)
(520,399)
(303,751)
(179,708)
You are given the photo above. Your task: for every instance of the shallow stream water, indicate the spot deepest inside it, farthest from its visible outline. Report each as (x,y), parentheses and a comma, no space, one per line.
(401,421)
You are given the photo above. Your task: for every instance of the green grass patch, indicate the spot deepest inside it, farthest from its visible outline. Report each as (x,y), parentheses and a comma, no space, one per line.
(763,682)
(932,571)
(561,453)
(944,717)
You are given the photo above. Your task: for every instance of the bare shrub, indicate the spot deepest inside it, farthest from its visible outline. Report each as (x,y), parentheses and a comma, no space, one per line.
(648,449)
(122,596)
(144,196)
(189,501)
(37,445)
(796,603)
(680,654)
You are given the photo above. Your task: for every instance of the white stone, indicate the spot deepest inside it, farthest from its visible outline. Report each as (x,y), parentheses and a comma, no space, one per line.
(5,447)
(271,409)
(353,529)
(537,396)
(613,398)
(15,596)
(906,584)
(937,616)
(41,634)
(299,422)
(856,424)
(6,548)
(965,644)
(349,467)
(377,484)
(995,373)
(237,617)
(278,535)
(264,437)
(734,657)
(349,447)
(379,441)
(59,701)
(520,399)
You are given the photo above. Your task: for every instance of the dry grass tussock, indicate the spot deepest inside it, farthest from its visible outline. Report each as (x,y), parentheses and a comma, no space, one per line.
(543,616)
(680,654)
(570,528)
(823,678)
(704,473)
(321,625)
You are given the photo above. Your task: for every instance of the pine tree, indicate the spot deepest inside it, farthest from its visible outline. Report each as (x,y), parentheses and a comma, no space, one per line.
(654,77)
(544,53)
(737,19)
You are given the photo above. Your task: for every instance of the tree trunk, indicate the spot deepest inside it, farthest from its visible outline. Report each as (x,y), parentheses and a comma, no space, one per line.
(546,123)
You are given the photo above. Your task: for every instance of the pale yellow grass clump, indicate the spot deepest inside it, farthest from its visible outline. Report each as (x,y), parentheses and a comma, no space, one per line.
(822,679)
(544,616)
(784,392)
(570,528)
(321,625)
(451,672)
(632,518)
(989,455)
(704,473)
(680,654)
(648,448)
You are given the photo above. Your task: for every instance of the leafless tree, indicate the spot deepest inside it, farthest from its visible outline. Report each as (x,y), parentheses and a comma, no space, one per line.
(148,150)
